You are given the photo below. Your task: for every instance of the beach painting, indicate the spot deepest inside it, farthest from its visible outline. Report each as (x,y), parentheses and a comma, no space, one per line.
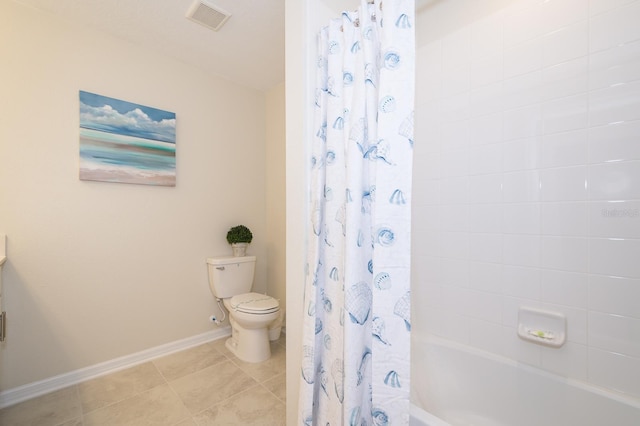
(125,142)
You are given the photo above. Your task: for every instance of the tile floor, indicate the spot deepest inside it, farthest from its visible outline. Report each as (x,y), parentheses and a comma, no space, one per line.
(204,385)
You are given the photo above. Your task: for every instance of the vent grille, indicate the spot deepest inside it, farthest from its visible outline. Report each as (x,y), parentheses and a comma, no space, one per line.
(205,14)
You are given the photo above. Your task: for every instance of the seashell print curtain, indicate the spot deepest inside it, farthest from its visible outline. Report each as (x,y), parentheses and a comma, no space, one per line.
(356,338)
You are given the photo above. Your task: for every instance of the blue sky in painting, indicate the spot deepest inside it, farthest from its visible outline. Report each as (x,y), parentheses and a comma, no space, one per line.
(125,118)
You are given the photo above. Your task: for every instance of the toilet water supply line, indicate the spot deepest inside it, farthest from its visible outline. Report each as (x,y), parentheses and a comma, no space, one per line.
(224,315)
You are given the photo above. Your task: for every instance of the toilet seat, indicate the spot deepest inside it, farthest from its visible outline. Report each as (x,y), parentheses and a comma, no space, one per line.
(254,303)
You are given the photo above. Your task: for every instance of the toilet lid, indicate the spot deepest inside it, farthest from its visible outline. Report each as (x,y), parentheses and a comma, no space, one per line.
(254,303)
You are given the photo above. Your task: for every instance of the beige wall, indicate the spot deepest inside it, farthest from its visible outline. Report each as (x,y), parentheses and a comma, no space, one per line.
(275,193)
(99,270)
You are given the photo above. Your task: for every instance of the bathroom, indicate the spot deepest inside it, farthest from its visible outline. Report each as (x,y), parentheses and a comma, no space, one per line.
(76,281)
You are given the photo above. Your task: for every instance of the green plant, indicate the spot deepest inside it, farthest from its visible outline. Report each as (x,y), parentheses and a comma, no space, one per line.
(239,234)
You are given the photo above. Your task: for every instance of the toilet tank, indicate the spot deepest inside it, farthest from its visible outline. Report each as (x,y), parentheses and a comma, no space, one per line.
(230,275)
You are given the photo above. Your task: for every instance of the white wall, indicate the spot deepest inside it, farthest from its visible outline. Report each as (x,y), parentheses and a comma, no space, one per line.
(99,270)
(275,192)
(527,181)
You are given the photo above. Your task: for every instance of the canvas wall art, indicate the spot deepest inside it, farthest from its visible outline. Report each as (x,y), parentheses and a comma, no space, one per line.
(126,142)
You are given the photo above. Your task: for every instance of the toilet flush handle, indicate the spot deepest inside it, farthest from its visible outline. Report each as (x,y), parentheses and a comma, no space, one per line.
(220,268)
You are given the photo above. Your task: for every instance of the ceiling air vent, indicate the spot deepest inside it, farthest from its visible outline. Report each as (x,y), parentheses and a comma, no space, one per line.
(205,14)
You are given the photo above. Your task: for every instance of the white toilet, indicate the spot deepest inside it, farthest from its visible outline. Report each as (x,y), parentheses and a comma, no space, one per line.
(250,314)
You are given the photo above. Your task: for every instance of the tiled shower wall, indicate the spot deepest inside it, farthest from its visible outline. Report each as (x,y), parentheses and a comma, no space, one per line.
(527,185)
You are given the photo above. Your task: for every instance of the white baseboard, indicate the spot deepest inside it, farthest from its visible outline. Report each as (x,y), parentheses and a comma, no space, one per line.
(32,390)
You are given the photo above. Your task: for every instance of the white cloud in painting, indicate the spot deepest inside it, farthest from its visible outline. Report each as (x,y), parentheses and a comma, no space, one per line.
(134,122)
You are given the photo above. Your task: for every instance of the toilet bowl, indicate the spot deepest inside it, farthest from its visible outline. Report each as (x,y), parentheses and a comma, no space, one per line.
(250,313)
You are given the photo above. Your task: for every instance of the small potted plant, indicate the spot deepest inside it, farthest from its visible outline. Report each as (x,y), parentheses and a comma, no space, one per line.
(239,237)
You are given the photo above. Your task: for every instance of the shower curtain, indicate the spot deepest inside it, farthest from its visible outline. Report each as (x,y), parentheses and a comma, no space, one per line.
(356,331)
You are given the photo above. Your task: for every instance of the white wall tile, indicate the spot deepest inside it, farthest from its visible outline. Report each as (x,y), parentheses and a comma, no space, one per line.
(454,217)
(614,295)
(614,219)
(485,188)
(454,163)
(614,142)
(455,245)
(456,80)
(615,27)
(564,184)
(455,272)
(521,187)
(454,190)
(523,25)
(560,13)
(456,48)
(616,257)
(565,114)
(615,371)
(485,276)
(522,122)
(615,333)
(520,350)
(521,218)
(564,288)
(564,253)
(511,307)
(486,35)
(564,149)
(427,127)
(620,64)
(597,7)
(485,159)
(521,282)
(523,58)
(521,250)
(485,248)
(486,99)
(523,108)
(564,219)
(565,44)
(614,104)
(569,361)
(485,306)
(565,79)
(486,218)
(521,154)
(455,135)
(485,335)
(486,70)
(576,321)
(615,181)
(485,129)
(455,107)
(522,90)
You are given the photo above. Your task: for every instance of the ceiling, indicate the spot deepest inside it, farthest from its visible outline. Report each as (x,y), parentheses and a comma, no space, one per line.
(248,49)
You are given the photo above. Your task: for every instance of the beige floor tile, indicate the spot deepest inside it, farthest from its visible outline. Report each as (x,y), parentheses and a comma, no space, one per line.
(158,406)
(50,409)
(74,422)
(220,345)
(278,386)
(204,388)
(268,369)
(188,361)
(256,406)
(106,390)
(187,422)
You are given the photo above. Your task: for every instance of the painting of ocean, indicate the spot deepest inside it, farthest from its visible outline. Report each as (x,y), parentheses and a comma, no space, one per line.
(125,142)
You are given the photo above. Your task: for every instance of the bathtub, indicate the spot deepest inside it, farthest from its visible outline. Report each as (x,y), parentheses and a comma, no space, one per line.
(454,384)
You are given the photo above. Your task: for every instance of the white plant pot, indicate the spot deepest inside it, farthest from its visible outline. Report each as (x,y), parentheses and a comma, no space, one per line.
(239,249)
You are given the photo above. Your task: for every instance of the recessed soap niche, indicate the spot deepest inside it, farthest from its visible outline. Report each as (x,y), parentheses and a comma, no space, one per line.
(542,327)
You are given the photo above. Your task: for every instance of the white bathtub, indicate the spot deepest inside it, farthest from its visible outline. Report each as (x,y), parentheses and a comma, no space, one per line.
(458,385)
